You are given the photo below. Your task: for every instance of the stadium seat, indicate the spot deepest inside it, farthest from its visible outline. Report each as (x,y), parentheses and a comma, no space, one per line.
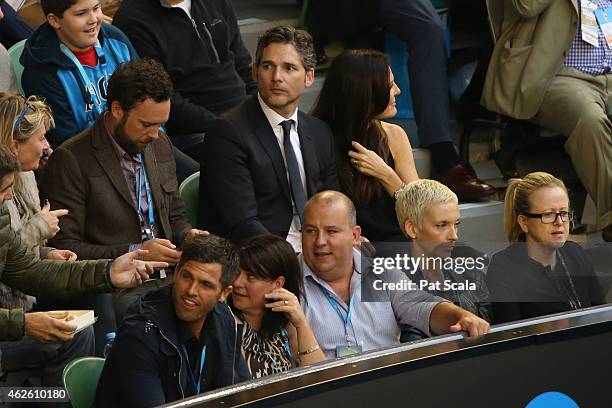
(15,53)
(80,377)
(189,191)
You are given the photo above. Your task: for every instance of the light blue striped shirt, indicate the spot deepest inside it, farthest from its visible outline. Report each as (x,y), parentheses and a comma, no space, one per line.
(373,325)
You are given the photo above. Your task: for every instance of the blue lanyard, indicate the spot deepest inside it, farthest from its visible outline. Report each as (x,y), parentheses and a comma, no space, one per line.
(142,173)
(89,86)
(286,341)
(196,384)
(334,304)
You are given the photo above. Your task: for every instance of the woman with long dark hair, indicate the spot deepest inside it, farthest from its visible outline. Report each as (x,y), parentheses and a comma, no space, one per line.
(374,157)
(275,333)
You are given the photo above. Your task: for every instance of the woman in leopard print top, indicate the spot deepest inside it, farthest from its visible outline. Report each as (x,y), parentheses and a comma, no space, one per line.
(275,334)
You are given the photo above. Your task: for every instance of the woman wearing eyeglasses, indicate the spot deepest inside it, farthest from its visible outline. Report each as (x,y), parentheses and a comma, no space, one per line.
(541,272)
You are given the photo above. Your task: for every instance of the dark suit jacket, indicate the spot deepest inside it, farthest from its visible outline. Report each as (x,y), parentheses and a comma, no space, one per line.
(84,176)
(244,189)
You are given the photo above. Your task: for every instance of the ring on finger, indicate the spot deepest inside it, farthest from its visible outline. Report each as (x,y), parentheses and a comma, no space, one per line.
(286,302)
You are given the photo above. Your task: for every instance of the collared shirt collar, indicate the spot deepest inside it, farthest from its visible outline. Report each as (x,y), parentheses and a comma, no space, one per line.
(306,271)
(273,117)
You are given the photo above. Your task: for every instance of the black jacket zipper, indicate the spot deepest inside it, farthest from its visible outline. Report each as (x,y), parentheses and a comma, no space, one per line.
(212,44)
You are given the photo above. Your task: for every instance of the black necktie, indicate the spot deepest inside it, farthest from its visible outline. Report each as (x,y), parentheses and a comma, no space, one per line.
(295,181)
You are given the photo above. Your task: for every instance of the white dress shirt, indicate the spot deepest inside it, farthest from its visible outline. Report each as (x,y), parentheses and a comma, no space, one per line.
(294,237)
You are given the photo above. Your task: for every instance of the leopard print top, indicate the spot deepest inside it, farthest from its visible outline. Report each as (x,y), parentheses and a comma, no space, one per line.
(265,356)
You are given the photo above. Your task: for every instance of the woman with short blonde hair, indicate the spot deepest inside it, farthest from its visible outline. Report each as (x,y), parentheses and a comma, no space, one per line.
(428,214)
(416,197)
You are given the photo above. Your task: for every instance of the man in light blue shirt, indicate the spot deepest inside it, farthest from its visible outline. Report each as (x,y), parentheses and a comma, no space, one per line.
(343,323)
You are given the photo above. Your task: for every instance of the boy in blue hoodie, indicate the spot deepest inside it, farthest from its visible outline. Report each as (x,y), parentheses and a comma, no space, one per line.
(69,59)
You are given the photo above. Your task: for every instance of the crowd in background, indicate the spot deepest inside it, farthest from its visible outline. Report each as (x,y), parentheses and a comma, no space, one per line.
(106,120)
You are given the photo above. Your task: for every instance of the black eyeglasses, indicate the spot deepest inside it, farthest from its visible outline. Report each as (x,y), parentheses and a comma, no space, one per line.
(551,217)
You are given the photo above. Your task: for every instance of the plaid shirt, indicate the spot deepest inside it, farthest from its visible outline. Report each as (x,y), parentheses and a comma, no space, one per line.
(130,166)
(586,58)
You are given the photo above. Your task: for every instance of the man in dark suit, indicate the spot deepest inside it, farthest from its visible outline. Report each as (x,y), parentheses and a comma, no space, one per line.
(265,158)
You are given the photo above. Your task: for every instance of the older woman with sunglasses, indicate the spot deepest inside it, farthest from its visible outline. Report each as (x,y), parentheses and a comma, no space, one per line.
(541,272)
(23,124)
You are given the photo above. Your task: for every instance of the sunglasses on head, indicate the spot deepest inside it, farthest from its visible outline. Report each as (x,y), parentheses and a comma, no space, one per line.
(27,107)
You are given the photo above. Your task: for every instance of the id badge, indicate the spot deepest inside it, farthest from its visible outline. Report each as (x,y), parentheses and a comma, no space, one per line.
(148,234)
(345,351)
(588,24)
(604,18)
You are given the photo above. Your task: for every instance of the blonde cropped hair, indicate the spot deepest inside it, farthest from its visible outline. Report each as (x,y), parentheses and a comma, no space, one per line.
(416,197)
(517,198)
(37,114)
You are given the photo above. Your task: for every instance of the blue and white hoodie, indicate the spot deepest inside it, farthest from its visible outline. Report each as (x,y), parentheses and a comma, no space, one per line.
(76,94)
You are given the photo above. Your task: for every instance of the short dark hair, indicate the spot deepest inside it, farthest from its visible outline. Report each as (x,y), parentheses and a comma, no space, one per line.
(136,81)
(269,257)
(56,7)
(300,39)
(8,162)
(212,249)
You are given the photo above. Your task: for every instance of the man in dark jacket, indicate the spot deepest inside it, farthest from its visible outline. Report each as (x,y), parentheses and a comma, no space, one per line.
(178,341)
(200,46)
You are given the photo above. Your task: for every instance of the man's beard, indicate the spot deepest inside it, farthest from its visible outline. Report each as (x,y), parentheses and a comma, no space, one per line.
(123,140)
